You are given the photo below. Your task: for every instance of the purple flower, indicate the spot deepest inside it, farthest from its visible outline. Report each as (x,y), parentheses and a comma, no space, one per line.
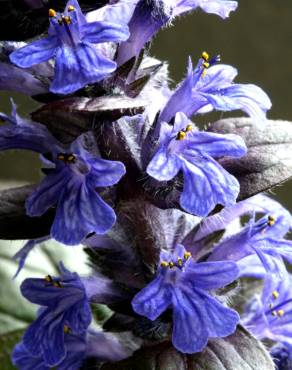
(183,148)
(264,237)
(73,174)
(71,42)
(219,7)
(93,344)
(210,86)
(64,308)
(183,285)
(150,16)
(282,356)
(75,345)
(269,316)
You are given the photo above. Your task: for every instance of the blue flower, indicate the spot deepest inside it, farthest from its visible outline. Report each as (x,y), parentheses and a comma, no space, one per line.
(269,316)
(73,174)
(219,7)
(183,285)
(149,17)
(93,344)
(282,356)
(183,148)
(75,353)
(264,237)
(64,309)
(71,42)
(210,86)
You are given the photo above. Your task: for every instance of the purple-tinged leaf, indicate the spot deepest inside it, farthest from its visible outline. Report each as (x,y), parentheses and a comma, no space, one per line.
(68,118)
(268,162)
(239,351)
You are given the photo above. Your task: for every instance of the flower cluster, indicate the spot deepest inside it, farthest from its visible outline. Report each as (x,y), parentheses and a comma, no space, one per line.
(151,197)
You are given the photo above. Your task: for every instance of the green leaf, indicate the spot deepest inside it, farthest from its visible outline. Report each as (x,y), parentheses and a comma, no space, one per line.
(7,343)
(239,351)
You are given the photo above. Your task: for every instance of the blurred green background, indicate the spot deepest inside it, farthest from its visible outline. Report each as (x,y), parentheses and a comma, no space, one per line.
(256,39)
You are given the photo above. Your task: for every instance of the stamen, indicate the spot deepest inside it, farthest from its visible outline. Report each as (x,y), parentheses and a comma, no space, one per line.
(274,313)
(171,264)
(57,284)
(67,157)
(179,261)
(181,135)
(52,13)
(189,128)
(66,19)
(206,65)
(187,255)
(49,278)
(71,8)
(271,220)
(164,264)
(280,313)
(205,56)
(275,294)
(60,21)
(66,329)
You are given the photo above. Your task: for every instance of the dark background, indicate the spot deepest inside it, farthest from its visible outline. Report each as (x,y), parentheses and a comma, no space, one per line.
(256,39)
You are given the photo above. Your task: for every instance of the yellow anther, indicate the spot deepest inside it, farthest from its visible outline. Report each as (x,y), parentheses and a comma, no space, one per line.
(206,65)
(187,255)
(71,158)
(205,56)
(57,284)
(179,262)
(66,19)
(271,220)
(280,313)
(275,294)
(171,264)
(71,8)
(164,264)
(52,13)
(67,158)
(181,135)
(189,128)
(60,21)
(61,157)
(66,329)
(49,278)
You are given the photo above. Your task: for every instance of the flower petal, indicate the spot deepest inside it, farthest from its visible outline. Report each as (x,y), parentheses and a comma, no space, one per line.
(219,7)
(104,172)
(98,32)
(163,166)
(25,361)
(207,184)
(212,275)
(180,100)
(47,193)
(249,98)
(37,52)
(46,336)
(78,67)
(80,211)
(217,145)
(153,300)
(198,316)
